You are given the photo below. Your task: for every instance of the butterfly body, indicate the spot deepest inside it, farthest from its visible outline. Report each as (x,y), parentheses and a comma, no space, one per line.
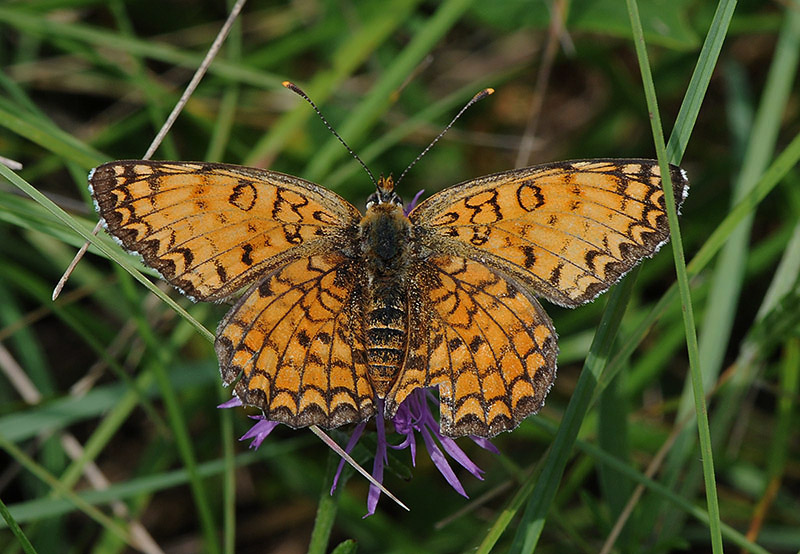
(385,233)
(342,309)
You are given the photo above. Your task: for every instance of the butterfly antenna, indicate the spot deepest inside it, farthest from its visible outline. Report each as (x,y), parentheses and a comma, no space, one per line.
(298,91)
(480,96)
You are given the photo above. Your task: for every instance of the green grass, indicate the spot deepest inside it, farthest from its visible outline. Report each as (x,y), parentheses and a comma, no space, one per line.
(108,426)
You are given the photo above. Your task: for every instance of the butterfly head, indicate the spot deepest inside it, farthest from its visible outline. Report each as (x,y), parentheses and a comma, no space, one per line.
(385,193)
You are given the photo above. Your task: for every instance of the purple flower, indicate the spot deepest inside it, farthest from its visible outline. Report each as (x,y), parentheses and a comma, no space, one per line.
(257,432)
(413,202)
(232,403)
(414,416)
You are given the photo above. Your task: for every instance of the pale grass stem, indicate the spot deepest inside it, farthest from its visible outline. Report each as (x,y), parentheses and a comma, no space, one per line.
(349,459)
(173,116)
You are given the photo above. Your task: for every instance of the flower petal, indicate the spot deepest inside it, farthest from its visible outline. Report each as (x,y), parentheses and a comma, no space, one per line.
(232,403)
(259,431)
(440,461)
(459,455)
(377,466)
(485,443)
(414,201)
(350,445)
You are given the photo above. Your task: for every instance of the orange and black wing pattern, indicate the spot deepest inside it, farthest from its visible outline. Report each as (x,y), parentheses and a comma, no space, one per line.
(475,257)
(483,340)
(568,230)
(565,231)
(293,342)
(291,345)
(210,229)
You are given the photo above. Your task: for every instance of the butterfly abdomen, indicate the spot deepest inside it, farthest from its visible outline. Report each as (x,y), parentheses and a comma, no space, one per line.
(386,330)
(384,235)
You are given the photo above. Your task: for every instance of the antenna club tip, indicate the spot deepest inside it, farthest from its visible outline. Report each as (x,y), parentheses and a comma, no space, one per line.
(482,94)
(288,84)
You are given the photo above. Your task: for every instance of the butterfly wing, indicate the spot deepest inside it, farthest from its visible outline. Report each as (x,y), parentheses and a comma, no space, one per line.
(294,344)
(567,230)
(210,229)
(483,340)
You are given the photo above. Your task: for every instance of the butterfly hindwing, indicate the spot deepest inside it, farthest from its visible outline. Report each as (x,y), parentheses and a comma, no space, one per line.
(483,340)
(294,344)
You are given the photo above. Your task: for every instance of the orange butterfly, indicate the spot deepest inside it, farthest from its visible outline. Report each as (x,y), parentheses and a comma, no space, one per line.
(343,309)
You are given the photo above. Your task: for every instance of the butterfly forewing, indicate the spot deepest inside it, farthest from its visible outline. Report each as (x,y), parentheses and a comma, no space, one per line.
(211,229)
(569,230)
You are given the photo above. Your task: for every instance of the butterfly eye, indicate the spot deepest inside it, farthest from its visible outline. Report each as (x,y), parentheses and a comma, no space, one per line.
(372,200)
(378,198)
(395,200)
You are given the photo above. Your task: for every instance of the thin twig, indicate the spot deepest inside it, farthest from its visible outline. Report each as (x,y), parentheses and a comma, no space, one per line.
(11,164)
(71,267)
(349,459)
(190,88)
(198,75)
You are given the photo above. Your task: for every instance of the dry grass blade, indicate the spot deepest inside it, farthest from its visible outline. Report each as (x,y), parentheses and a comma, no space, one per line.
(173,116)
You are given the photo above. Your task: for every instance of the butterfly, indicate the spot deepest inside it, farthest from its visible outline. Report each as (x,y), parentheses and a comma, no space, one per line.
(342,310)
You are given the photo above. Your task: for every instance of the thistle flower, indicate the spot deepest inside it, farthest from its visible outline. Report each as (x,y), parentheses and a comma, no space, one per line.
(413,417)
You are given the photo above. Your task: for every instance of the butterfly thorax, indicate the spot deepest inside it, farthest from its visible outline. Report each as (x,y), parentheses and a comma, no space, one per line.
(385,232)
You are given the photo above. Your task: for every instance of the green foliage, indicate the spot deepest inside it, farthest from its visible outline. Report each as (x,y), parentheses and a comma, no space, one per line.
(109,434)
(665,22)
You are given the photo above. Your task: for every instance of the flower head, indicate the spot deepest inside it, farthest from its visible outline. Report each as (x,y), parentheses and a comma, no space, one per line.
(413,417)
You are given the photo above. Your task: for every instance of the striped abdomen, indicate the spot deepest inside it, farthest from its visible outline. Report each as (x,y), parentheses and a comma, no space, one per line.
(386,328)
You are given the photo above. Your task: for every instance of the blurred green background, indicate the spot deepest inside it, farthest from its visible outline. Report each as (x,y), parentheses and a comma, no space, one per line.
(110,437)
